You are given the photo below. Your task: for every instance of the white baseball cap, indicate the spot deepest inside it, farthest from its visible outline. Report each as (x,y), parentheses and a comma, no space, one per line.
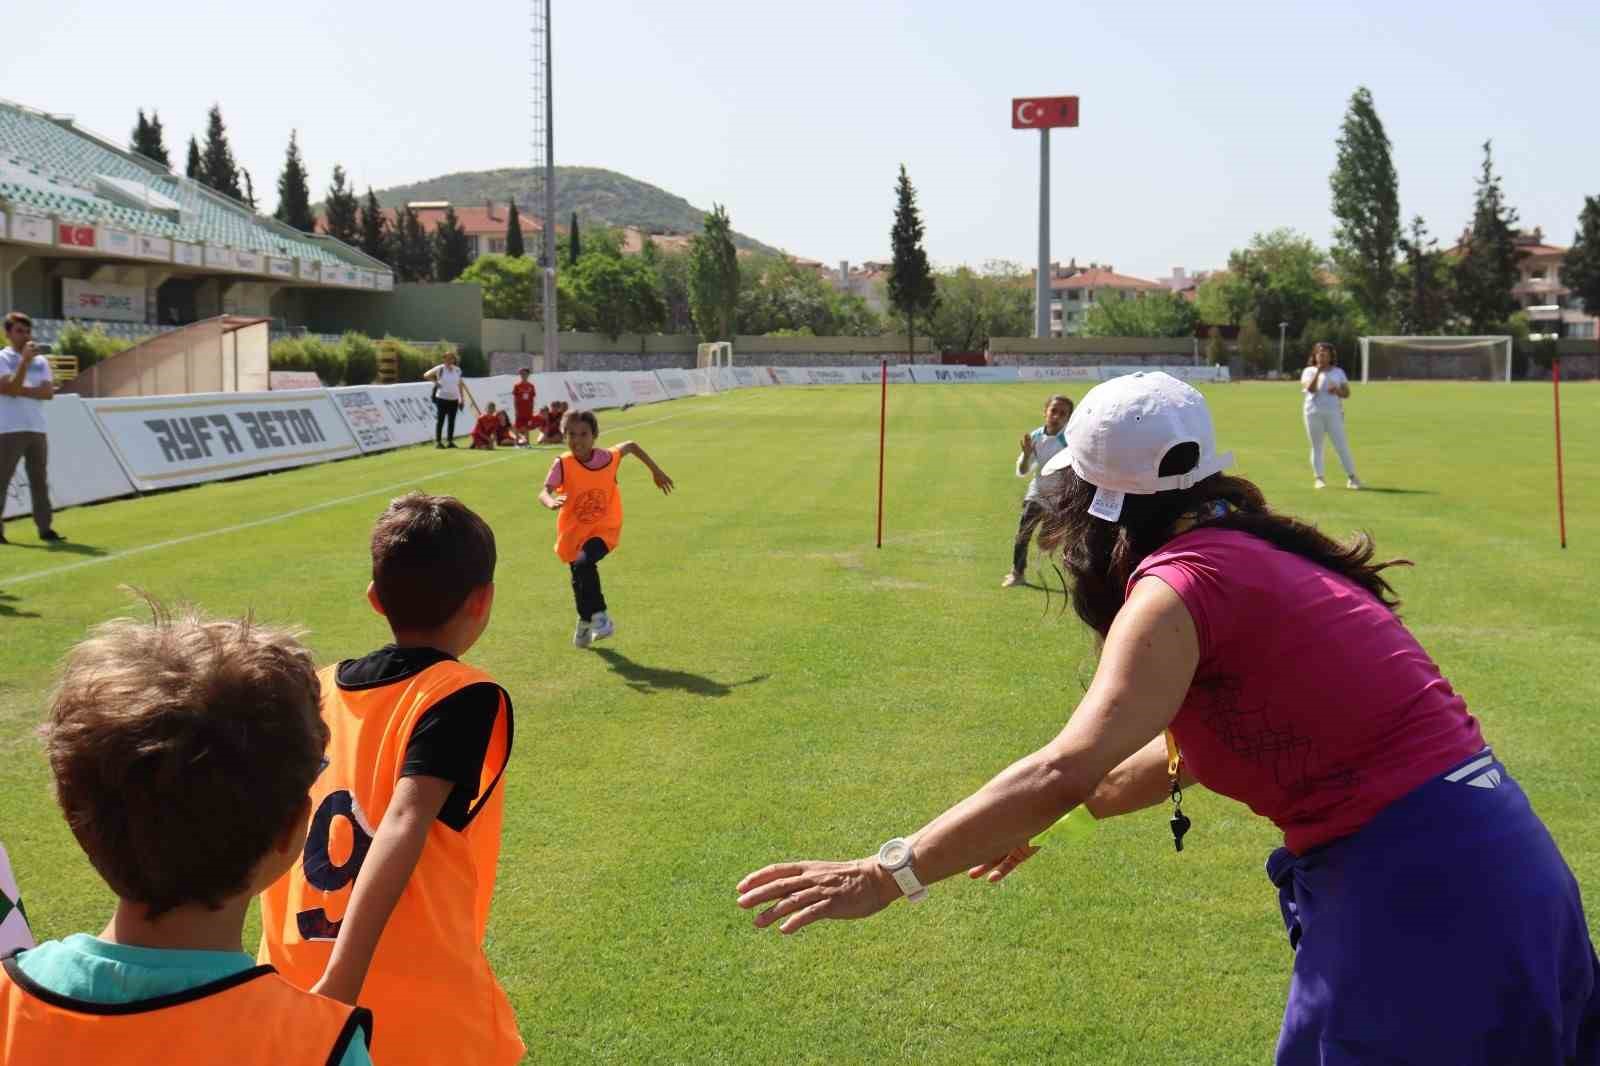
(1119,434)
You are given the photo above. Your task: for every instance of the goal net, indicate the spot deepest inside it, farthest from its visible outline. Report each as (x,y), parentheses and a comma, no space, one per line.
(716,355)
(1459,358)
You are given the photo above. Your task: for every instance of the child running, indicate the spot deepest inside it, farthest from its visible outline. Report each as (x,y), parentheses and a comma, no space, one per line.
(184,751)
(389,902)
(582,485)
(1038,447)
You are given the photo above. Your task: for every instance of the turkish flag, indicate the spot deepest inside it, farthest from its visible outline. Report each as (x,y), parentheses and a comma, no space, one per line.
(1043,112)
(75,236)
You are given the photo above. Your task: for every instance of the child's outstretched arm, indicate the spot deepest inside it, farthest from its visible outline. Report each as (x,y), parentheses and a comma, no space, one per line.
(552,500)
(663,482)
(396,847)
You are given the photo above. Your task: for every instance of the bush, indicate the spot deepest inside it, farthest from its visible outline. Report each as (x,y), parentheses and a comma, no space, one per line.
(1259,357)
(360,354)
(89,345)
(474,364)
(412,361)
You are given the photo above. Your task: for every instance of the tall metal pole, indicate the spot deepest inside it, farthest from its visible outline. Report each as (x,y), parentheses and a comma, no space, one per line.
(552,342)
(1041,295)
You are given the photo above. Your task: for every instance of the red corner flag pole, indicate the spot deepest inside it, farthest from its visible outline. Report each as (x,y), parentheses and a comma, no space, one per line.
(883,413)
(1561,501)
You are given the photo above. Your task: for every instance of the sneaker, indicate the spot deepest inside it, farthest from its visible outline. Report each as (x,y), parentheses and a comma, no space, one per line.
(1352,484)
(452,444)
(583,636)
(1011,581)
(439,444)
(603,626)
(51,535)
(1319,484)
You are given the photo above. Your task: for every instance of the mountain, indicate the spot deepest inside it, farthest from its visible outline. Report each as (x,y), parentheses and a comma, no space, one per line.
(594,193)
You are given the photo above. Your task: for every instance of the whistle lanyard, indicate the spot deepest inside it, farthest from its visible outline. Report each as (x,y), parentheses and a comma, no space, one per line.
(1179,822)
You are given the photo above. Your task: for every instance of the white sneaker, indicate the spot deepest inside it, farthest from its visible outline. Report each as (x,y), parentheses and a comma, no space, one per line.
(1352,484)
(583,636)
(602,627)
(1319,484)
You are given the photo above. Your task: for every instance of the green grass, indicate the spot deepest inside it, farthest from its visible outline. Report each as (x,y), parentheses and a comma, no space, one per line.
(780,689)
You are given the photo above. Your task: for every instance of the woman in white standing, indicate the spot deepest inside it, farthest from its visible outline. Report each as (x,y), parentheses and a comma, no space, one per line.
(1326,388)
(447,399)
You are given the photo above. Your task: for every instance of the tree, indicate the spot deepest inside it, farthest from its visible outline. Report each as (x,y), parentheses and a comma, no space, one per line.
(1283,279)
(217,167)
(1258,358)
(194,167)
(376,238)
(616,295)
(294,192)
(714,278)
(509,284)
(1155,314)
(148,139)
(1223,299)
(574,243)
(912,291)
(452,250)
(1487,268)
(249,198)
(673,270)
(1423,287)
(976,305)
(1366,203)
(1580,267)
(339,210)
(514,232)
(413,249)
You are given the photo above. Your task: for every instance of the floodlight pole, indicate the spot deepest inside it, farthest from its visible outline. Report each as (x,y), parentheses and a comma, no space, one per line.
(1041,294)
(552,340)
(1283,332)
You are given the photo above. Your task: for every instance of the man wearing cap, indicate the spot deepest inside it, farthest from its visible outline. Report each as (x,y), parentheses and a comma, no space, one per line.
(1431,915)
(25,385)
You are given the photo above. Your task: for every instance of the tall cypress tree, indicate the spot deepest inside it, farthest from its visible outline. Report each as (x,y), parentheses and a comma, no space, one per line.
(1366,203)
(376,238)
(1424,299)
(249,198)
(147,139)
(451,250)
(158,142)
(195,168)
(714,278)
(339,209)
(514,232)
(294,193)
(217,166)
(912,291)
(413,249)
(574,242)
(1487,269)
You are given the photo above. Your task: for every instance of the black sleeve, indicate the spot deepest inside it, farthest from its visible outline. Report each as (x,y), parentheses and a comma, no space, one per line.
(450,742)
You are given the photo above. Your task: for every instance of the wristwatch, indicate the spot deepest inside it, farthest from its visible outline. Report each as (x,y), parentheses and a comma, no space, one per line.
(895,857)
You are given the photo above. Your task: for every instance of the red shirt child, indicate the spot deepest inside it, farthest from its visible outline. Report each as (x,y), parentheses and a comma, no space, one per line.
(522,395)
(485,429)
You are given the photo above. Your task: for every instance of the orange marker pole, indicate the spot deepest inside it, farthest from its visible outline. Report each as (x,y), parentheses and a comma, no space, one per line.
(1561,500)
(883,415)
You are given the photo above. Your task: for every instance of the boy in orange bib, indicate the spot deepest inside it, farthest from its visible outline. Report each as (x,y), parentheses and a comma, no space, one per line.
(389,900)
(582,486)
(183,750)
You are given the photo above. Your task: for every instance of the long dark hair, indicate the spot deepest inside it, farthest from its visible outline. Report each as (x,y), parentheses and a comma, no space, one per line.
(1100,556)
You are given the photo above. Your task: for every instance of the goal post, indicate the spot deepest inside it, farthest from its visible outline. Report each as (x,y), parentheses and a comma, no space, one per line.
(1486,358)
(718,355)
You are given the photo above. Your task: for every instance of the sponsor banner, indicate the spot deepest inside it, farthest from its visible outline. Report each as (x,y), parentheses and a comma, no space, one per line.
(74,235)
(1182,373)
(385,282)
(745,376)
(90,299)
(924,375)
(250,262)
(185,440)
(81,468)
(339,275)
(497,390)
(116,242)
(592,391)
(219,258)
(310,270)
(726,378)
(187,254)
(278,380)
(32,229)
(152,247)
(280,268)
(1058,373)
(701,381)
(761,377)
(676,382)
(644,387)
(833,375)
(391,416)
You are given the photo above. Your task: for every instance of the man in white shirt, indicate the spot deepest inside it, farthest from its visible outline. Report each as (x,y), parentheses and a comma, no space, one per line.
(25,385)
(1326,388)
(1038,448)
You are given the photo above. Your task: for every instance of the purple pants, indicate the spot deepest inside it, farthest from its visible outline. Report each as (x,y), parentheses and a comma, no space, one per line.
(1448,931)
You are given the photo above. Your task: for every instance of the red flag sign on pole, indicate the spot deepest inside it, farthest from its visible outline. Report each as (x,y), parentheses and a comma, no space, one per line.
(1043,112)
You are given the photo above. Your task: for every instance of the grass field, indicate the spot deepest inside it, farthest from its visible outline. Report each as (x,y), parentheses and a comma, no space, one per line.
(779,689)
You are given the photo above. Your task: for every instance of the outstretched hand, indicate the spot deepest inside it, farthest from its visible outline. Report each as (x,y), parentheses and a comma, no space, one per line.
(555,501)
(1027,445)
(996,870)
(663,482)
(807,891)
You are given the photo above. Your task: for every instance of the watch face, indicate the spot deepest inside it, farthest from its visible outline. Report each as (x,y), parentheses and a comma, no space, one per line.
(894,853)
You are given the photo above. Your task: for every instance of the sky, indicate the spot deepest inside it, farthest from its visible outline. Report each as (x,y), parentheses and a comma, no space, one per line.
(1202,124)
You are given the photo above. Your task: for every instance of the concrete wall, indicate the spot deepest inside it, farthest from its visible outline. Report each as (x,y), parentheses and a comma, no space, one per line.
(1095,351)
(452,312)
(593,351)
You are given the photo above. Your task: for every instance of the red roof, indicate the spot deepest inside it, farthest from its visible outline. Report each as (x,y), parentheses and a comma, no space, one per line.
(476,221)
(1100,278)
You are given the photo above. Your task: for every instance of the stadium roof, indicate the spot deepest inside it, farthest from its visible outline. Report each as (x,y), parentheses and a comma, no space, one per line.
(48,166)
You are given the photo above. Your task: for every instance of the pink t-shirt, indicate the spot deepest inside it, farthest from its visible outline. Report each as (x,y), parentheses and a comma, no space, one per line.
(1312,703)
(598,460)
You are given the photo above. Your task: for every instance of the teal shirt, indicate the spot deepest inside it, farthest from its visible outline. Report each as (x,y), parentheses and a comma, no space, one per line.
(87,968)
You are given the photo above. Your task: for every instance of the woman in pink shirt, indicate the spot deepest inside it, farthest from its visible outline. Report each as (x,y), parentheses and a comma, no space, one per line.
(1432,917)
